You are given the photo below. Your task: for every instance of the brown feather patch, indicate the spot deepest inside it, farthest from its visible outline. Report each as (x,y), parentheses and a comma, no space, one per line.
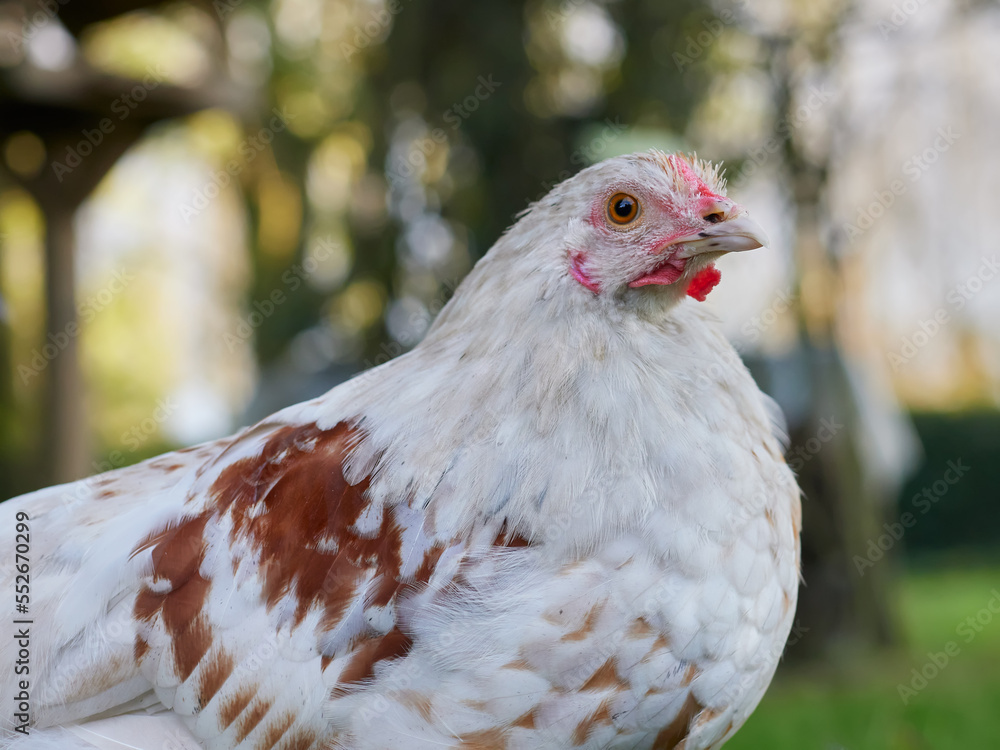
(177,555)
(419,702)
(488,739)
(672,735)
(190,644)
(293,504)
(301,739)
(233,706)
(274,731)
(604,678)
(588,624)
(639,629)
(601,716)
(507,538)
(392,645)
(527,721)
(251,719)
(429,562)
(518,664)
(214,674)
(689,675)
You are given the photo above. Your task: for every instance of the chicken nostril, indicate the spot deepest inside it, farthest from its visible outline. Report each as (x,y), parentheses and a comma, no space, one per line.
(714,218)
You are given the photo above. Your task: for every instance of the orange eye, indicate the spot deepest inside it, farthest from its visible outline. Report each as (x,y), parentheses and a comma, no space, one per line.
(622,208)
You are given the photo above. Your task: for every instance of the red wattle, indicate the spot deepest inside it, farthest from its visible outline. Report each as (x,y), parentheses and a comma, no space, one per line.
(704,281)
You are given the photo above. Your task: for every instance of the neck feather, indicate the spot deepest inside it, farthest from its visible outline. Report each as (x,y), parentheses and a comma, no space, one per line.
(526,404)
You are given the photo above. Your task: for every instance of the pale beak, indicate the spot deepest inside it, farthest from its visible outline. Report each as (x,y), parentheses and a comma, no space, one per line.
(728,236)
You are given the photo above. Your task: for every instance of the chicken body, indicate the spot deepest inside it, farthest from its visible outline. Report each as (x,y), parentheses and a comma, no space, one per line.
(563,520)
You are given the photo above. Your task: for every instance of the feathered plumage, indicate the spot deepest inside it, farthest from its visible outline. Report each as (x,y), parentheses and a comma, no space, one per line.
(561,521)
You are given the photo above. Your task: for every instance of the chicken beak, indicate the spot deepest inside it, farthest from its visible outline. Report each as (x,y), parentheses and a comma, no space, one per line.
(728,236)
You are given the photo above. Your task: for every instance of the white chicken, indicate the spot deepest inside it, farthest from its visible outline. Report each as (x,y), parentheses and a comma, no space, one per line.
(561,521)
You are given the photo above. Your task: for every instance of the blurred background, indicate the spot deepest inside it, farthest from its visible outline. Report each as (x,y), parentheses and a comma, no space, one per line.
(209,210)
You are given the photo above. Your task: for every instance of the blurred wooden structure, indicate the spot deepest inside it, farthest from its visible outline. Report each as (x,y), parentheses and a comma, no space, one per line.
(67,109)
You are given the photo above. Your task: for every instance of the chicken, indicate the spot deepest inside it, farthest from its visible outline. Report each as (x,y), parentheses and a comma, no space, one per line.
(561,521)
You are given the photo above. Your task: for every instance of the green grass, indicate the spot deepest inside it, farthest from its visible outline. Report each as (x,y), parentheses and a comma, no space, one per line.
(858,707)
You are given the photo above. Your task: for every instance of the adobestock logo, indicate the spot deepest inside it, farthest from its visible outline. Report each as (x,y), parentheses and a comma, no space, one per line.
(914,168)
(374,30)
(957,298)
(938,661)
(712,29)
(812,102)
(802,454)
(758,324)
(86,311)
(404,168)
(922,502)
(123,106)
(138,434)
(249,148)
(291,279)
(900,16)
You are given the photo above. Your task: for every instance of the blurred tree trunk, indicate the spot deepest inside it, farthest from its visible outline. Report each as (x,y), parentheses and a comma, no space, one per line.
(60,107)
(9,453)
(65,447)
(844,609)
(64,452)
(841,608)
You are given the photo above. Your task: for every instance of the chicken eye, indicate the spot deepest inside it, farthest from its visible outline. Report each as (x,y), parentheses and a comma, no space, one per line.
(622,208)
